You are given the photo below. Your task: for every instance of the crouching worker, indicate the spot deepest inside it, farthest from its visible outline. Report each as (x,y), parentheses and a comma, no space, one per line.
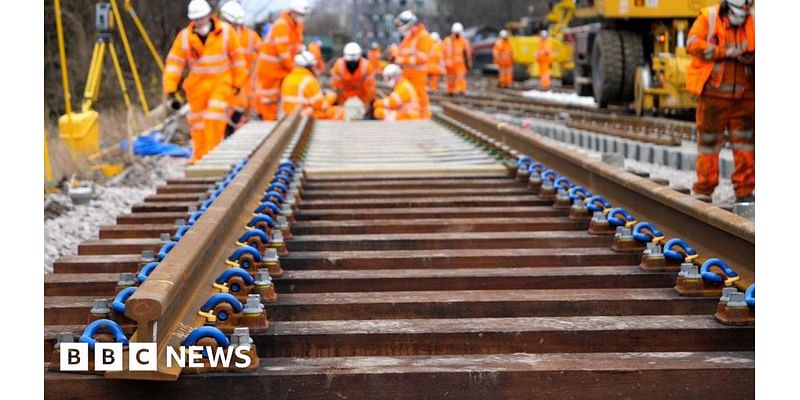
(403,103)
(301,89)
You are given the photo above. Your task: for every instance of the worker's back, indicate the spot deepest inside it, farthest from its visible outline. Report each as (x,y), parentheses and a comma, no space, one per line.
(300,89)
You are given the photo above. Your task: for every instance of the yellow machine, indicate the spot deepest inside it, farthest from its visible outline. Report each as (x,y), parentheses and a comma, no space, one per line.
(525,39)
(633,51)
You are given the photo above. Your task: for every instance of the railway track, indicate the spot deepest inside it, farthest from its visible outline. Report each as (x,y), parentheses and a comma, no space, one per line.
(420,266)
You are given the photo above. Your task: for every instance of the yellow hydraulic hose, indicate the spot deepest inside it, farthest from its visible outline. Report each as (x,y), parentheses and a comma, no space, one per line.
(62,54)
(129,54)
(145,36)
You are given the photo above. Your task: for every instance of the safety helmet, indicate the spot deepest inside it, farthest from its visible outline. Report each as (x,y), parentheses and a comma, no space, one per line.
(391,71)
(435,36)
(305,59)
(405,20)
(232,12)
(352,51)
(504,33)
(198,9)
(374,45)
(544,33)
(457,28)
(739,3)
(299,6)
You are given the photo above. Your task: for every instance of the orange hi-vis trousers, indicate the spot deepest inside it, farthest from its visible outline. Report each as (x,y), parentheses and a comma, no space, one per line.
(207,118)
(715,115)
(506,77)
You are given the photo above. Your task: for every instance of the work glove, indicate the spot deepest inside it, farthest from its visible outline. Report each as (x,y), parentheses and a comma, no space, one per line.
(173,103)
(733,52)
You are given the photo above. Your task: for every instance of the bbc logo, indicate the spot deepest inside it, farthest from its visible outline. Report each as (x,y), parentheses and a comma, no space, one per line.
(108,356)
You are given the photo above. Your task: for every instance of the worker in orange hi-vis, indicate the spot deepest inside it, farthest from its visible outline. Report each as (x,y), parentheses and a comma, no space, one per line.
(233,13)
(403,103)
(315,47)
(722,75)
(392,52)
(413,56)
(436,62)
(504,58)
(544,57)
(210,50)
(352,76)
(301,89)
(457,60)
(374,57)
(276,57)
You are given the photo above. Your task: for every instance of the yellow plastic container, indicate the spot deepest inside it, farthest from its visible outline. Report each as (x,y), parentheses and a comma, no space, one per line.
(81,132)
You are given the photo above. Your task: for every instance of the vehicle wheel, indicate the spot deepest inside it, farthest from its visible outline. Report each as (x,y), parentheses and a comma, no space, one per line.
(633,57)
(568,78)
(607,67)
(520,73)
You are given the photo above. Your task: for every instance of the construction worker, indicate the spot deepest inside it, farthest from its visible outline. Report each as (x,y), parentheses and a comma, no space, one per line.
(315,47)
(503,56)
(210,49)
(352,76)
(374,57)
(302,89)
(403,103)
(544,57)
(276,56)
(722,75)
(435,62)
(457,60)
(413,56)
(233,13)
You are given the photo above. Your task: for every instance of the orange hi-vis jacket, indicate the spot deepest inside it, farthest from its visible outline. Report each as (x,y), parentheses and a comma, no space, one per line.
(392,52)
(502,53)
(251,42)
(374,59)
(710,72)
(413,56)
(216,62)
(402,103)
(456,53)
(316,50)
(360,83)
(276,56)
(301,89)
(436,60)
(544,55)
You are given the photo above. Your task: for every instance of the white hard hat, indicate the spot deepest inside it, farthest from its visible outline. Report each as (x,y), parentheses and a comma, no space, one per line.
(375,45)
(503,33)
(198,9)
(391,71)
(435,36)
(305,59)
(352,51)
(405,19)
(299,6)
(739,3)
(544,33)
(457,28)
(232,12)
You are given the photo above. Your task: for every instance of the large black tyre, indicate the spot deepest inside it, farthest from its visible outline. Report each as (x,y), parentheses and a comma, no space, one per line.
(567,77)
(633,57)
(520,73)
(607,67)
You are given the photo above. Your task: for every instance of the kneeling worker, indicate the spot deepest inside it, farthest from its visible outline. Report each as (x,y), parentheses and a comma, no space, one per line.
(301,89)
(403,103)
(352,76)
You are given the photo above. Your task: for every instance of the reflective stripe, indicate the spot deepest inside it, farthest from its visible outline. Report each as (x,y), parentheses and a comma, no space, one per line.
(396,97)
(217,103)
(269,57)
(215,116)
(173,69)
(691,40)
(709,138)
(194,116)
(709,52)
(743,147)
(212,58)
(742,134)
(270,91)
(285,54)
(198,126)
(316,98)
(240,64)
(278,40)
(712,22)
(209,70)
(709,149)
(175,59)
(185,41)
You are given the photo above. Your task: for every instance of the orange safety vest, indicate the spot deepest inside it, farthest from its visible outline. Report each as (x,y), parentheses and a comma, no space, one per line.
(545,52)
(360,83)
(404,98)
(314,48)
(502,53)
(276,56)
(218,61)
(413,55)
(707,43)
(456,53)
(436,60)
(301,89)
(251,42)
(375,59)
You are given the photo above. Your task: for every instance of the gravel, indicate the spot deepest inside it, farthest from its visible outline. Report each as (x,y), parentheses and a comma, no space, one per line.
(66,225)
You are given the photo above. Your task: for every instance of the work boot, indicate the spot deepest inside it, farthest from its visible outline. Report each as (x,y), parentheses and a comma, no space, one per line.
(746,199)
(705,198)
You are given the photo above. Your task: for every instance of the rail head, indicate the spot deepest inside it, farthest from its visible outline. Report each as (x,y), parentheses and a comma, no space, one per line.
(710,228)
(165,306)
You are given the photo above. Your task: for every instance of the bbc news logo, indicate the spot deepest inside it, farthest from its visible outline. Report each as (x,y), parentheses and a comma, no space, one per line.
(143,356)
